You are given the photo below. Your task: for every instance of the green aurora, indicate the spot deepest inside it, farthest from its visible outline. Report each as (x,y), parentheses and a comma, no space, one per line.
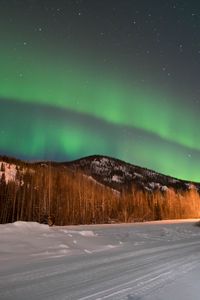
(40,132)
(102,113)
(83,90)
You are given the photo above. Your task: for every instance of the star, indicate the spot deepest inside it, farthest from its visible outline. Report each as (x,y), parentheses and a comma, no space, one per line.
(181,48)
(139,58)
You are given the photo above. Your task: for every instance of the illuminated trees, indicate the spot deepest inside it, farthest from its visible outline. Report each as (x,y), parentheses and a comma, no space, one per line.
(60,195)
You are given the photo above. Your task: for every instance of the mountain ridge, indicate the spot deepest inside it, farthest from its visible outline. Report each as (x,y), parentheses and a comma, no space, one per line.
(116,167)
(93,189)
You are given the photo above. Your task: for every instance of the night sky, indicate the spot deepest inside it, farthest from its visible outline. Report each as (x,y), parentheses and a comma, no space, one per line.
(111,77)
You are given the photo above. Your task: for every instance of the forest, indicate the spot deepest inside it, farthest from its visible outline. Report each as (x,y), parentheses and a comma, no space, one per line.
(56,194)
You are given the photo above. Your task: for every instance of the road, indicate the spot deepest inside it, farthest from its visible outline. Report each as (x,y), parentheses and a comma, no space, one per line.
(132,261)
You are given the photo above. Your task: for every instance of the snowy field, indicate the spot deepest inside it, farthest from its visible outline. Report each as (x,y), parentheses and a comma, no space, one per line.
(150,261)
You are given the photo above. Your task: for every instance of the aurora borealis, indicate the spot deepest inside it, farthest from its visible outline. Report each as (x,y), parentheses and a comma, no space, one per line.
(118,78)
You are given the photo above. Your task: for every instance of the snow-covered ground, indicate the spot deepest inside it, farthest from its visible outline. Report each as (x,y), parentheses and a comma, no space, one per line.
(150,261)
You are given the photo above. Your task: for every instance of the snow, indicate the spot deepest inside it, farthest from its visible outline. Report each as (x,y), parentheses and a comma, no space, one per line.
(138,175)
(190,186)
(142,261)
(99,165)
(154,185)
(116,178)
(10,171)
(164,188)
(86,233)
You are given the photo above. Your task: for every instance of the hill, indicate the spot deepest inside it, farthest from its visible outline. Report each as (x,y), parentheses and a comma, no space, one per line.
(94,189)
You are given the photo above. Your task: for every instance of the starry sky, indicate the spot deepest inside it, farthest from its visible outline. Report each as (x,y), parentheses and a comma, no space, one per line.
(111,77)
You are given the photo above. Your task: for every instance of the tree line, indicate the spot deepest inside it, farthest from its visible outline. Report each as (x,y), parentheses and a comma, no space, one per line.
(57,194)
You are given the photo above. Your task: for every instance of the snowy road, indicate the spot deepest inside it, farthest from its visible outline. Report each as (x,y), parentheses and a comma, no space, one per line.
(152,261)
